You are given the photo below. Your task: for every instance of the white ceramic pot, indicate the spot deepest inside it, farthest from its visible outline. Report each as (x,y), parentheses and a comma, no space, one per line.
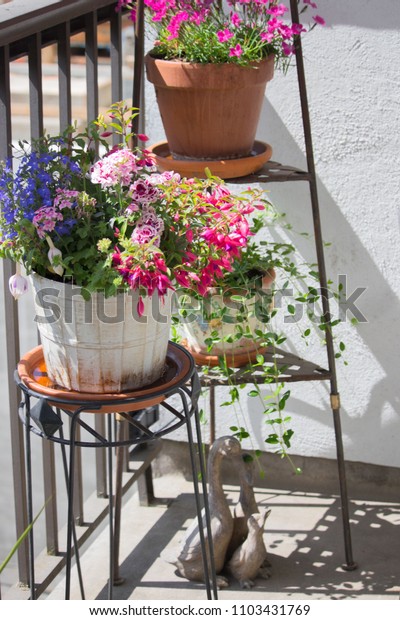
(100,345)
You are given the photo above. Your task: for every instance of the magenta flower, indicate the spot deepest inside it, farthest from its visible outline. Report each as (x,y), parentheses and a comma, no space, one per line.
(319,20)
(224,35)
(278,9)
(288,48)
(236,51)
(235,20)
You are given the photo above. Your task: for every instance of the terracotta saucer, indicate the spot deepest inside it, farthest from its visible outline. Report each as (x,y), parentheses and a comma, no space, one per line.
(236,360)
(32,373)
(224,168)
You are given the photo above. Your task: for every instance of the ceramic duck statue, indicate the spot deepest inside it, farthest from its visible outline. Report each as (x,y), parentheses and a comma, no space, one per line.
(245,507)
(247,560)
(189,561)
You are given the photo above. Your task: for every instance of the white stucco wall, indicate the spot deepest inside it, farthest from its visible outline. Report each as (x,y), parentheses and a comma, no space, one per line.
(352,72)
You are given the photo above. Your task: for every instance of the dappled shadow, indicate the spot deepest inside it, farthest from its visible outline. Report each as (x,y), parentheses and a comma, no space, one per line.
(305,542)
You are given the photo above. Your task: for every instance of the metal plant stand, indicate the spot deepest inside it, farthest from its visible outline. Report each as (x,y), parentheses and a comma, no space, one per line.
(55,409)
(295,369)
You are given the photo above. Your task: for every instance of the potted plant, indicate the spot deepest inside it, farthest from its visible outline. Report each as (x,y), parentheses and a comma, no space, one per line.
(227,319)
(210,65)
(105,239)
(248,320)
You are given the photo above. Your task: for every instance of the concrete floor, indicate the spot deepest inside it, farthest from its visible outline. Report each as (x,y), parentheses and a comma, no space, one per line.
(303,535)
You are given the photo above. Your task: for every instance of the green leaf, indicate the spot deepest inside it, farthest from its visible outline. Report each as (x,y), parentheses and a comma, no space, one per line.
(21,538)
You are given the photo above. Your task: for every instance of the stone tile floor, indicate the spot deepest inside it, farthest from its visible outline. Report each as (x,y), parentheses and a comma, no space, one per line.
(303,535)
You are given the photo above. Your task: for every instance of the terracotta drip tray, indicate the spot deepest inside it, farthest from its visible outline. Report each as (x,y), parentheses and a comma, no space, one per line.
(224,168)
(33,374)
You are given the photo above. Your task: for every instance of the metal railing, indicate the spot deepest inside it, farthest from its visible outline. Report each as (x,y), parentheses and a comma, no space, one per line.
(27,32)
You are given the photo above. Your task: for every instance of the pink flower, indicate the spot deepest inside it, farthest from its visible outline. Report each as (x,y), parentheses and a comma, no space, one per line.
(266,37)
(235,20)
(279,9)
(319,20)
(142,137)
(236,51)
(114,169)
(288,48)
(224,35)
(45,220)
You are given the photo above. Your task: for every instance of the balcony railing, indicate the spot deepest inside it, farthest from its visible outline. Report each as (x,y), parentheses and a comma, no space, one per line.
(60,62)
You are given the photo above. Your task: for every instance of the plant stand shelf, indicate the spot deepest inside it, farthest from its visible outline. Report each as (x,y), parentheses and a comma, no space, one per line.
(285,368)
(274,172)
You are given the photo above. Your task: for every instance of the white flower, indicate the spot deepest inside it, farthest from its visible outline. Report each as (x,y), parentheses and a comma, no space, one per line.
(18,285)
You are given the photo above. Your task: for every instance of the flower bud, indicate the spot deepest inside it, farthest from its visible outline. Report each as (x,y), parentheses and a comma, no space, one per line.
(18,285)
(51,254)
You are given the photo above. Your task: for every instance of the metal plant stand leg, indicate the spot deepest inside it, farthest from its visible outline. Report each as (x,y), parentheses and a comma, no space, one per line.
(206,542)
(70,509)
(350,564)
(319,246)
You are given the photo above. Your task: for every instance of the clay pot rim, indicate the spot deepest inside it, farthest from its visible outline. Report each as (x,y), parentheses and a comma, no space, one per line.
(179,78)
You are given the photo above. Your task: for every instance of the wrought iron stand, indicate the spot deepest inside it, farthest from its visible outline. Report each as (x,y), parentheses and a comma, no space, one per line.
(53,407)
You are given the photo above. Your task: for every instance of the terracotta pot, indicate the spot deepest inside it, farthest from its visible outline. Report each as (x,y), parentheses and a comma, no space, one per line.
(100,345)
(209,111)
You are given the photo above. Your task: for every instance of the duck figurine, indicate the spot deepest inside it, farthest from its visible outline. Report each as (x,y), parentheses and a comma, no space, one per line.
(245,507)
(189,561)
(246,562)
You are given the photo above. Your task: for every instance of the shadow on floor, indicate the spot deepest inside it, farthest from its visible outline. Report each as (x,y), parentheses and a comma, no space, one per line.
(304,538)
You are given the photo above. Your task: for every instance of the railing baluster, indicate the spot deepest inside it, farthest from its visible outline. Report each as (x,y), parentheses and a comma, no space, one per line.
(36,86)
(92,66)
(64,75)
(5,103)
(116,55)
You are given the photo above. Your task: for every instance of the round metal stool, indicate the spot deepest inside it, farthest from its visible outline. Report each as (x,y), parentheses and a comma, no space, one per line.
(53,405)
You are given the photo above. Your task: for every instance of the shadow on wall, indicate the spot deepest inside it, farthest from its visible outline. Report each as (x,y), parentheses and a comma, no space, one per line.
(378,303)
